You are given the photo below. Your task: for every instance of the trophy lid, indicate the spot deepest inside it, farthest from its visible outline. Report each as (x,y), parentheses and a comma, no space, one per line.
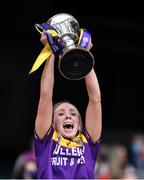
(59,18)
(64,23)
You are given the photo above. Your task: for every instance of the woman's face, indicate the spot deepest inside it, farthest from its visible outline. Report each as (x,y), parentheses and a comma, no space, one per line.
(66,120)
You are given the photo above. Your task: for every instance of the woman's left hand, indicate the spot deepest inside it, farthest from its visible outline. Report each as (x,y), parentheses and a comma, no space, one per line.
(90,46)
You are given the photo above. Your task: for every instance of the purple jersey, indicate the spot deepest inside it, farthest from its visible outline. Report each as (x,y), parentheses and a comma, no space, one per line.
(59,158)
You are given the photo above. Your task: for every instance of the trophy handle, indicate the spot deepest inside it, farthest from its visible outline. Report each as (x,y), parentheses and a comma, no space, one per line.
(39,28)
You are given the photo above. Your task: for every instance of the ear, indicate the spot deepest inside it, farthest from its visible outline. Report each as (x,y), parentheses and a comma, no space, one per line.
(80,125)
(53,125)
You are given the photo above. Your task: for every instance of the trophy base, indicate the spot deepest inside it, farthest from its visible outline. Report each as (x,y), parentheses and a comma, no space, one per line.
(76,63)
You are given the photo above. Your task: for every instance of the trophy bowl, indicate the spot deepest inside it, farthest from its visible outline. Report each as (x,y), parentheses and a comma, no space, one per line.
(75,61)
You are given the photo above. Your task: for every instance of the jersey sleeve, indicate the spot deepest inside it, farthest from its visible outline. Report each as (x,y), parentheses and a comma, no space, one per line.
(40,144)
(94,146)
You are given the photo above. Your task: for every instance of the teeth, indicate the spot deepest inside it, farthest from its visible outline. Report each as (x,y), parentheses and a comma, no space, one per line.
(68,125)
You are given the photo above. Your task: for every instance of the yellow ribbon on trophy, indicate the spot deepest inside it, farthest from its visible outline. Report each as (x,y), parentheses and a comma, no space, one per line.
(84,41)
(44,54)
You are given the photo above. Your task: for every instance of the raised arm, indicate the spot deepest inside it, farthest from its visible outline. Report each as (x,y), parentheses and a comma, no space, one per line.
(45,107)
(94,112)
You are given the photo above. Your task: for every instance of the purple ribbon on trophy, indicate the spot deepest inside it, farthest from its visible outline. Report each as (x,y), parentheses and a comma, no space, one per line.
(85,38)
(53,38)
(55,42)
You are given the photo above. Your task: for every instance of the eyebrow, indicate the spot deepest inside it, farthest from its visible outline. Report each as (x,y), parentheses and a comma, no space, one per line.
(73,110)
(69,110)
(61,110)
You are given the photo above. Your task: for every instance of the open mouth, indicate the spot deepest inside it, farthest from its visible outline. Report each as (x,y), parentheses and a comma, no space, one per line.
(68,125)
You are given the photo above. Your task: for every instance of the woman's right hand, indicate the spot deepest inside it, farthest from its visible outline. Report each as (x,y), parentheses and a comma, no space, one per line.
(43,38)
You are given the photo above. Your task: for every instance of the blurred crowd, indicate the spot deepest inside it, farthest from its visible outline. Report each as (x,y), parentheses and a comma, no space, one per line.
(121,161)
(115,161)
(25,165)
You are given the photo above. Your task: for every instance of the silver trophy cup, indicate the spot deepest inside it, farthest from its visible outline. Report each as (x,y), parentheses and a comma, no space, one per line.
(75,62)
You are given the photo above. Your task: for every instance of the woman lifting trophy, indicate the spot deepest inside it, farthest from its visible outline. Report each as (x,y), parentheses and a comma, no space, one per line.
(65,147)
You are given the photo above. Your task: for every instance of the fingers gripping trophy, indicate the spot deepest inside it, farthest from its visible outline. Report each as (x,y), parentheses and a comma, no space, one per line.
(69,42)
